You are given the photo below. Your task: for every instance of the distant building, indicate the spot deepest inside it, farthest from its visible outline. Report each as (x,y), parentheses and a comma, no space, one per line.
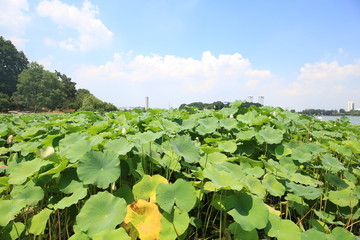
(351,106)
(261,100)
(146,102)
(250,99)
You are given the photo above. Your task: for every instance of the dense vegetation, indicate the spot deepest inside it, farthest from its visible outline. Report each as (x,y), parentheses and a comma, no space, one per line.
(235,173)
(322,112)
(28,86)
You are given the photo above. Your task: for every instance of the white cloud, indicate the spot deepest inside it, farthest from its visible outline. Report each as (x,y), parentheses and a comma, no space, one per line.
(14,18)
(92,33)
(325,78)
(170,76)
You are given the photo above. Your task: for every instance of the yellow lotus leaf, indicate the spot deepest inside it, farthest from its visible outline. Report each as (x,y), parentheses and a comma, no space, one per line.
(146,188)
(144,218)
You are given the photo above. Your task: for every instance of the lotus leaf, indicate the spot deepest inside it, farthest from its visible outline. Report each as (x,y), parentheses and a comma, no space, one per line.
(30,193)
(207,125)
(269,135)
(246,135)
(229,123)
(184,147)
(101,211)
(19,172)
(331,163)
(77,195)
(8,210)
(38,222)
(344,198)
(241,234)
(282,229)
(336,181)
(117,234)
(254,185)
(228,146)
(308,192)
(340,233)
(273,186)
(143,217)
(120,146)
(313,234)
(173,225)
(248,211)
(226,175)
(69,181)
(14,230)
(99,168)
(181,193)
(146,187)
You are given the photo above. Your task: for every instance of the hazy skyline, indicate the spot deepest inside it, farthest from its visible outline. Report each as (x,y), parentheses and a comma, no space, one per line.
(297,54)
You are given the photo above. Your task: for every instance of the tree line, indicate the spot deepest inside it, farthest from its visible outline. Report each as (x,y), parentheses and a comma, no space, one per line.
(322,112)
(215,105)
(27,85)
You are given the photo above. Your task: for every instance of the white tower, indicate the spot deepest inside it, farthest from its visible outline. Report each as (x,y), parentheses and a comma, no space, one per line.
(351,106)
(146,102)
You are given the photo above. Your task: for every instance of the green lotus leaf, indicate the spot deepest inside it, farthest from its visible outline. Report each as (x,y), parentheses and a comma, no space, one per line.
(269,135)
(120,146)
(228,123)
(299,204)
(147,137)
(101,211)
(30,193)
(303,179)
(273,186)
(69,181)
(79,236)
(19,172)
(38,222)
(146,187)
(9,209)
(353,145)
(331,163)
(241,234)
(184,147)
(13,230)
(228,146)
(181,193)
(341,233)
(75,145)
(207,125)
(328,218)
(252,118)
(282,151)
(246,135)
(282,229)
(226,175)
(313,234)
(344,198)
(126,193)
(99,168)
(77,195)
(174,224)
(187,124)
(170,126)
(301,155)
(117,234)
(308,192)
(248,211)
(335,181)
(253,171)
(254,185)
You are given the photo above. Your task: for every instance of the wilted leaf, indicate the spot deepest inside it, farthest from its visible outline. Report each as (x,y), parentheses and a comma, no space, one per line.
(145,217)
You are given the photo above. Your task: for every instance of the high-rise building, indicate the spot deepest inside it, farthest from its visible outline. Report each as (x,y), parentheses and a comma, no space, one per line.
(146,102)
(351,106)
(250,99)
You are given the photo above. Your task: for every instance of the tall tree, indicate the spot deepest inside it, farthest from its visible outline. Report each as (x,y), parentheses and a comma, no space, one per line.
(68,89)
(12,62)
(38,88)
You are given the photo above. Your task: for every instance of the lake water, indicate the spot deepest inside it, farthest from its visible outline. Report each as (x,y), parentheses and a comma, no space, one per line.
(353,119)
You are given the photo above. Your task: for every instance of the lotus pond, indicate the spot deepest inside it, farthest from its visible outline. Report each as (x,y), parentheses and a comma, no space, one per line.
(234,173)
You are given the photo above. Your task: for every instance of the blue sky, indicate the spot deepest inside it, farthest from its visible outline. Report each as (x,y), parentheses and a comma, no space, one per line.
(297,54)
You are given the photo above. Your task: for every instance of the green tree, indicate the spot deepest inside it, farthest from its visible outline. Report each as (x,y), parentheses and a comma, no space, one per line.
(68,89)
(38,88)
(92,103)
(12,62)
(4,102)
